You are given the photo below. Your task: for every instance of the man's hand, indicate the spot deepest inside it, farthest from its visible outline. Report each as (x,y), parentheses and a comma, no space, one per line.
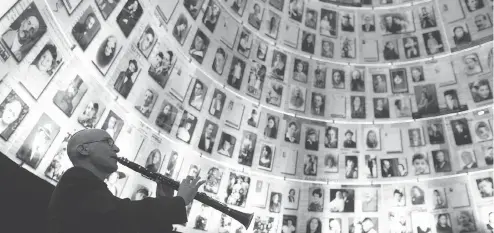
(188,188)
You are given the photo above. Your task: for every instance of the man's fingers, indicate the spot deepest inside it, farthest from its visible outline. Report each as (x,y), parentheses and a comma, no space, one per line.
(195,180)
(200,183)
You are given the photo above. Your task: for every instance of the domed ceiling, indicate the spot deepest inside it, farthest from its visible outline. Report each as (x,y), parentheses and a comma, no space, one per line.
(316,116)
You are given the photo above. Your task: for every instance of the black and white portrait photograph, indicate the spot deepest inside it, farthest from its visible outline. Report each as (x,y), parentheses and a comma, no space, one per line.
(113,125)
(480,90)
(271,128)
(194,170)
(439,198)
(351,167)
(320,76)
(396,23)
(421,164)
(347,46)
(311,139)
(415,137)
(335,225)
(162,61)
(199,46)
(247,147)
(265,224)
(219,61)
(208,136)
(451,101)
(106,54)
(338,79)
(236,74)
(201,220)
(213,180)
(379,83)
(12,111)
(327,48)
(275,202)
(311,17)
(173,165)
(166,116)
(369,199)
(364,224)
(300,70)
(368,23)
(342,200)
(106,7)
(186,127)
(44,67)
(238,6)
(262,50)
(147,41)
(255,83)
(473,5)
(461,131)
(211,16)
(482,22)
(331,163)
(328,25)
(217,103)
(381,108)
(465,221)
(233,113)
(417,74)
(316,199)
(433,43)
(308,42)
(461,35)
(93,111)
(278,65)
(39,140)
(427,17)
(484,187)
(245,43)
(331,137)
(154,158)
(296,10)
(71,5)
(274,93)
(289,224)
(390,50)
(181,29)
(318,104)
(411,47)
(198,94)
(350,140)
(255,15)
(370,166)
(358,107)
(67,99)
(297,98)
(394,167)
(467,159)
(272,25)
(193,7)
(426,99)
(402,107)
(482,129)
(435,131)
(293,197)
(129,16)
(24,32)
(227,144)
(347,22)
(237,189)
(357,80)
(86,28)
(399,82)
(310,166)
(126,78)
(145,102)
(471,64)
(442,161)
(61,162)
(266,157)
(372,138)
(399,196)
(292,132)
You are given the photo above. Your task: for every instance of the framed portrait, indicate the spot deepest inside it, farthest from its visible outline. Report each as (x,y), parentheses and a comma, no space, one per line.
(86,28)
(398,196)
(381,108)
(483,22)
(300,70)
(320,76)
(272,126)
(417,73)
(262,50)
(484,187)
(234,113)
(416,137)
(113,124)
(38,141)
(293,198)
(433,42)
(186,127)
(272,25)
(181,28)
(411,47)
(274,93)
(465,221)
(402,106)
(217,103)
(328,23)
(371,223)
(253,119)
(351,167)
(33,21)
(482,129)
(357,80)
(296,10)
(265,222)
(338,79)
(350,139)
(421,164)
(347,22)
(372,138)
(238,7)
(311,139)
(427,16)
(335,224)
(61,162)
(173,166)
(347,47)
(310,165)
(236,74)
(259,195)
(219,61)
(278,65)
(481,90)
(394,167)
(308,42)
(202,220)
(331,137)
(441,160)
(292,132)
(245,43)
(358,107)
(211,16)
(474,5)
(461,131)
(467,159)
(399,81)
(471,64)
(311,18)
(370,167)
(105,7)
(106,53)
(397,23)
(331,163)
(289,222)
(318,104)
(342,200)
(147,41)
(166,116)
(163,60)
(67,99)
(297,98)
(146,101)
(266,157)
(247,147)
(41,68)
(327,48)
(438,198)
(199,46)
(125,79)
(12,111)
(93,110)
(129,16)
(234,195)
(193,7)
(316,199)
(71,5)
(426,99)
(435,131)
(255,83)
(256,14)
(208,136)
(198,95)
(227,144)
(368,23)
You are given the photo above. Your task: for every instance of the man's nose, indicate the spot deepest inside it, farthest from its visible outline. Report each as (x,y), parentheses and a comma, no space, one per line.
(116,149)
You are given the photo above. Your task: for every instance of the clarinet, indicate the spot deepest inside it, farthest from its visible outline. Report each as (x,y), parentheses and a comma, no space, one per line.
(243,218)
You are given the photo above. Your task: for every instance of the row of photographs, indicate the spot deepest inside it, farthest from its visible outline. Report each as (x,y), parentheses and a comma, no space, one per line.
(462,33)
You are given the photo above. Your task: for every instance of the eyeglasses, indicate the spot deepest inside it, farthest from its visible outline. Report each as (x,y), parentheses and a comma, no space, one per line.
(108,140)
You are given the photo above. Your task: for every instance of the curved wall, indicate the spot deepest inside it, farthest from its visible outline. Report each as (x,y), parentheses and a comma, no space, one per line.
(160,91)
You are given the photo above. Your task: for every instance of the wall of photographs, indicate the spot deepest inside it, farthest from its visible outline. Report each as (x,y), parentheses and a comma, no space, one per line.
(182,85)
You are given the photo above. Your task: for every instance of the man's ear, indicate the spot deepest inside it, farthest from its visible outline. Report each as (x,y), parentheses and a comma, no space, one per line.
(83,150)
